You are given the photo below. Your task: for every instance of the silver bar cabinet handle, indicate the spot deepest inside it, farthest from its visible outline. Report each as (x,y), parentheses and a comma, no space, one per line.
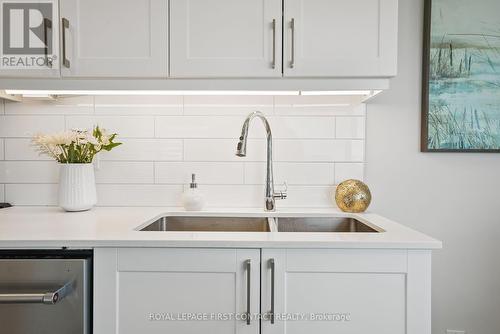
(48,298)
(248,265)
(65,24)
(47,24)
(274,45)
(272,265)
(292,26)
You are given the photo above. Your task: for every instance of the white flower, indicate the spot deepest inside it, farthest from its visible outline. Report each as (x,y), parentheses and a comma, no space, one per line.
(40,140)
(57,151)
(91,139)
(105,139)
(80,135)
(62,138)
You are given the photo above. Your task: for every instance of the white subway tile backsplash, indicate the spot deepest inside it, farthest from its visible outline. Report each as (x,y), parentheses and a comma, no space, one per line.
(309,197)
(222,150)
(125,172)
(301,127)
(22,149)
(146,150)
(346,171)
(198,127)
(31,194)
(318,141)
(125,126)
(138,195)
(29,172)
(227,105)
(285,150)
(317,105)
(226,196)
(73,105)
(350,127)
(206,172)
(138,105)
(27,126)
(319,150)
(291,173)
(230,127)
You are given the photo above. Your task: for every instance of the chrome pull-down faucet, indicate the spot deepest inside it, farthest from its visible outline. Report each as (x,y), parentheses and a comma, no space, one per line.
(241,151)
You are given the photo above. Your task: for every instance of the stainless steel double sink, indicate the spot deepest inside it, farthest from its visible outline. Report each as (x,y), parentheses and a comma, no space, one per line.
(259,224)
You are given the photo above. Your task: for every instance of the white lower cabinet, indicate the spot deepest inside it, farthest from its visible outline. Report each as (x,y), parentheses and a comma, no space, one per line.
(334,291)
(153,291)
(171,290)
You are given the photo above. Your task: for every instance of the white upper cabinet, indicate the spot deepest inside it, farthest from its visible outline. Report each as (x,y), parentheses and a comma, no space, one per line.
(216,39)
(114,38)
(225,38)
(340,38)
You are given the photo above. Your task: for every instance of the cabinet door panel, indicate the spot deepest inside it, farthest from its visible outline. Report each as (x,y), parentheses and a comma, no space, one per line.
(116,38)
(351,303)
(340,38)
(225,38)
(178,291)
(336,296)
(175,293)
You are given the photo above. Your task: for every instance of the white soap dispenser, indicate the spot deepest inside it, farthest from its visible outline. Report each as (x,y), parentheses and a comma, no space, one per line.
(193,199)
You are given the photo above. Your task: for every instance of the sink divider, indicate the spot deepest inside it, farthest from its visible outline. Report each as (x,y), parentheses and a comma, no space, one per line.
(273,224)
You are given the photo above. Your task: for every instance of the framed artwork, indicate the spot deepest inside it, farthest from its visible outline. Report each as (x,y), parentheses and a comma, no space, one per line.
(461,76)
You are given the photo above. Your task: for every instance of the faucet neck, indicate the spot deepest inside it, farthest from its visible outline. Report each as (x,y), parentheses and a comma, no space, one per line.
(270,204)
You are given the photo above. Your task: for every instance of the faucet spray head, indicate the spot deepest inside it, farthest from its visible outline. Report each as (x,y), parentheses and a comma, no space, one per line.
(241,149)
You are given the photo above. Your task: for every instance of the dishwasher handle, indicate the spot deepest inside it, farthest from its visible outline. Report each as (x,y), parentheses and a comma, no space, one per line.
(47,298)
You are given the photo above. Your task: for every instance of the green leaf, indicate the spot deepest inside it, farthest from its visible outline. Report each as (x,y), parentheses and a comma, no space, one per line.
(111,146)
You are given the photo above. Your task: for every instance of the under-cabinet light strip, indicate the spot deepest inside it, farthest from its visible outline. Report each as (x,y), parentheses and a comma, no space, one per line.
(146,92)
(39,93)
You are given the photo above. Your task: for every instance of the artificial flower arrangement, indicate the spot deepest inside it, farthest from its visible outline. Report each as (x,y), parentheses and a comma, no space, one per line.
(75,146)
(75,150)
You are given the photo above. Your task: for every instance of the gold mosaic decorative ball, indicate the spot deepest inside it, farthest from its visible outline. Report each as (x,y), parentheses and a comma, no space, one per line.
(353,196)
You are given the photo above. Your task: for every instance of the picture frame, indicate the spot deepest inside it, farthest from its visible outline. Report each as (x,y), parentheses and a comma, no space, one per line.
(454,79)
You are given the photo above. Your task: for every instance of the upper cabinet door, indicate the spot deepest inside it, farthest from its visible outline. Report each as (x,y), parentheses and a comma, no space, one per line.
(225,38)
(340,38)
(114,38)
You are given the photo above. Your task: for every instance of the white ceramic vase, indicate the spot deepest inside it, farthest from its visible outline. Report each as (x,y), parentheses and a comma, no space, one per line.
(77,191)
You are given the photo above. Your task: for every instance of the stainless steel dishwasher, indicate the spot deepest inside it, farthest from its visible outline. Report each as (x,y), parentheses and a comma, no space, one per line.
(45,292)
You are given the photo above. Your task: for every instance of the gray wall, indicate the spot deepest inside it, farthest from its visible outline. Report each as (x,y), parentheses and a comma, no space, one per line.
(453,197)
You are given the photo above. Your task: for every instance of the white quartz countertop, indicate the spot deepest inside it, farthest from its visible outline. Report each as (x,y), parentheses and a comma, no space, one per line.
(50,227)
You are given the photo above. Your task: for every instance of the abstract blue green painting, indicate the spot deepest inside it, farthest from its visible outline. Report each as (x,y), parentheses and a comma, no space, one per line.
(461,74)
